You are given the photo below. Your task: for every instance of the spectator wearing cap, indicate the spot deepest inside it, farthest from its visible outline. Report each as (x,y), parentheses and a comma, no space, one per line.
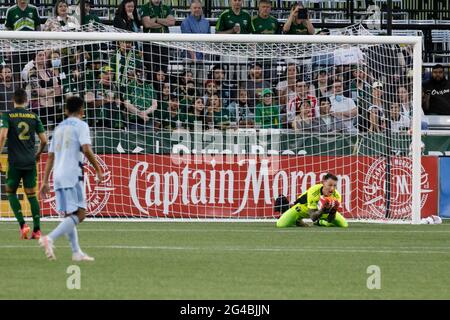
(267,114)
(127,17)
(298,24)
(376,109)
(256,83)
(234,20)
(264,23)
(343,108)
(436,93)
(89,18)
(104,103)
(61,21)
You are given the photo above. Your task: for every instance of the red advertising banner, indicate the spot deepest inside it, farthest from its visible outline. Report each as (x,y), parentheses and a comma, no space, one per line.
(246,187)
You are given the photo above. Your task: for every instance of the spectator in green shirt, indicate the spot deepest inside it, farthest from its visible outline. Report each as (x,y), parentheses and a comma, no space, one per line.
(89,17)
(156,18)
(23,17)
(267,114)
(264,23)
(234,20)
(296,25)
(218,117)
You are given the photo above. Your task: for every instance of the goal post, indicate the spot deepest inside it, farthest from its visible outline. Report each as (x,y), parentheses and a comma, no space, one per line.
(349,104)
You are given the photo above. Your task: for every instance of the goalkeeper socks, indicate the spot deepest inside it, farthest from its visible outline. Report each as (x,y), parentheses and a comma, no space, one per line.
(35,212)
(65,227)
(73,238)
(16,208)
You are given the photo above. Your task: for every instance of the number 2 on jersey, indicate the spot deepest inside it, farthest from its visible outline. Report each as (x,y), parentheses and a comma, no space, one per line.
(24,129)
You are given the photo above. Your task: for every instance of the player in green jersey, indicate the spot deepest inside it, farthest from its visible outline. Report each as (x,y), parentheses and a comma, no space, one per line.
(321,203)
(19,126)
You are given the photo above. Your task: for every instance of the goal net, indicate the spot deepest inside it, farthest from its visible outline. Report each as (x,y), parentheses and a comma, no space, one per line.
(218,126)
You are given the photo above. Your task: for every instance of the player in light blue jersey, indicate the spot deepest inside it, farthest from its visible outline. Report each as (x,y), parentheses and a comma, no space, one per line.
(70,141)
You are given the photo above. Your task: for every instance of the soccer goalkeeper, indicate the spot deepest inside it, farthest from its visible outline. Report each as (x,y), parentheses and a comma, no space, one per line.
(321,203)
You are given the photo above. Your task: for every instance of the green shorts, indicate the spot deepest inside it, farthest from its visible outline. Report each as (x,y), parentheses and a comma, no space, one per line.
(14,176)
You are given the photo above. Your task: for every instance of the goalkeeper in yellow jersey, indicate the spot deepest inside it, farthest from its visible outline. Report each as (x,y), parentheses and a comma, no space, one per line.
(321,203)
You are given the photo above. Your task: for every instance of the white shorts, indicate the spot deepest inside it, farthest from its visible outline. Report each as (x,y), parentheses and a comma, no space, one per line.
(69,200)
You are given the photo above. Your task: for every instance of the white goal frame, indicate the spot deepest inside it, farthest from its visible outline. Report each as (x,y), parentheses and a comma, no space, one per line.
(415,41)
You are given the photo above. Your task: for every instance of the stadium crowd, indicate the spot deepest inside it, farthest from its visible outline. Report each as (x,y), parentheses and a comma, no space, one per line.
(136,89)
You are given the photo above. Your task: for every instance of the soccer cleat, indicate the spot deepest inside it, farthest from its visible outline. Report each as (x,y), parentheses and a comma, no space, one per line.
(36,235)
(80,256)
(24,232)
(47,244)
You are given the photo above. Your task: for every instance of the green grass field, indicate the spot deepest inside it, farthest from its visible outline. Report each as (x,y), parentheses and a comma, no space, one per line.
(231,261)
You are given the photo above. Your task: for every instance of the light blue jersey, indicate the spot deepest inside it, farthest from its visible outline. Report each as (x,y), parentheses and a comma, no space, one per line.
(66,144)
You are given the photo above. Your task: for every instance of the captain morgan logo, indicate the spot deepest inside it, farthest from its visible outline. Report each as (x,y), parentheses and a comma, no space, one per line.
(375,188)
(97,195)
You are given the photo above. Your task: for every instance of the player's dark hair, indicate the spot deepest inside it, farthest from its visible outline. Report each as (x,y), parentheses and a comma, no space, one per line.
(20,96)
(74,104)
(330,176)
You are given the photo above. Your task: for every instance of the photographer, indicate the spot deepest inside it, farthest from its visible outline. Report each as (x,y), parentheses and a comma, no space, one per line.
(298,22)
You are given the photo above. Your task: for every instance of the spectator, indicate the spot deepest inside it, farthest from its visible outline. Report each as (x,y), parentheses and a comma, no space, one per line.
(404,101)
(74,83)
(267,114)
(360,91)
(61,21)
(196,116)
(256,83)
(187,96)
(298,22)
(127,17)
(89,17)
(23,17)
(240,112)
(104,102)
(343,108)
(436,93)
(376,110)
(399,121)
(211,89)
(159,78)
(234,20)
(264,23)
(304,120)
(156,18)
(327,122)
(226,87)
(218,117)
(286,88)
(169,117)
(322,86)
(302,98)
(124,61)
(195,23)
(140,102)
(45,87)
(6,88)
